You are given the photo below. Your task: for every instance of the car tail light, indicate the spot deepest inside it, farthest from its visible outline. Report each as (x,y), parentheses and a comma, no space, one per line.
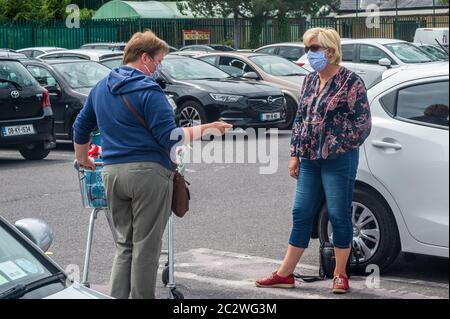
(45,101)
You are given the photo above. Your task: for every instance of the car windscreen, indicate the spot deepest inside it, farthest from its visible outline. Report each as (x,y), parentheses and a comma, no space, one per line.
(222,48)
(14,71)
(18,265)
(434,52)
(408,53)
(277,66)
(82,74)
(114,63)
(191,69)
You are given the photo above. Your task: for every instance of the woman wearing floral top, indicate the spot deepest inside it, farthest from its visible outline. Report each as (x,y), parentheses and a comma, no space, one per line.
(333,121)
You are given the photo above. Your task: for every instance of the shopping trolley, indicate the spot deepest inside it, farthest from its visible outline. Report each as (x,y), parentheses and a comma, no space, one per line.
(93,196)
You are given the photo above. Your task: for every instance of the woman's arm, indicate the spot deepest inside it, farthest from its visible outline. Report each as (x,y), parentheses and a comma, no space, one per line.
(361,121)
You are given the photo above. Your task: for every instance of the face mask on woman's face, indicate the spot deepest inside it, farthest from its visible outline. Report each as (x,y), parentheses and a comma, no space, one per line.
(318,60)
(157,73)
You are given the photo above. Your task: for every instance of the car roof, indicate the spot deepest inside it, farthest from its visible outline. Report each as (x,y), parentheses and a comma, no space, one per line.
(90,52)
(41,48)
(235,53)
(56,61)
(106,43)
(411,72)
(380,41)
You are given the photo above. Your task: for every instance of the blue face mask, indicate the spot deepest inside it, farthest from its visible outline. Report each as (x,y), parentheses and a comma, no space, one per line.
(158,68)
(318,60)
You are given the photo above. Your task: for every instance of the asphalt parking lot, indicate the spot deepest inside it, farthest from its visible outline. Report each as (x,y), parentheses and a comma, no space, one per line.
(236,231)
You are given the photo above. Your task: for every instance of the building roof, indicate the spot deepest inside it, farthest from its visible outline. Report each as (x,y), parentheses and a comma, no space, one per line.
(352,5)
(119,9)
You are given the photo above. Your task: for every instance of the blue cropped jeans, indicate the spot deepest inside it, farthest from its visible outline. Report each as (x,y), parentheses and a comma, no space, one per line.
(330,179)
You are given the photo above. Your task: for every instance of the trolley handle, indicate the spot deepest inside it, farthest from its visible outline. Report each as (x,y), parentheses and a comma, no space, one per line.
(79,167)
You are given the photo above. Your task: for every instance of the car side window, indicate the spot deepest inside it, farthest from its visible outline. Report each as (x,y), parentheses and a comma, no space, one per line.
(371,54)
(234,67)
(210,59)
(348,52)
(28,53)
(42,75)
(269,50)
(291,53)
(426,103)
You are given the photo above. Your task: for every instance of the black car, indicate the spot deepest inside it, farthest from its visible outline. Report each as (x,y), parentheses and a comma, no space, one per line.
(69,83)
(26,117)
(204,93)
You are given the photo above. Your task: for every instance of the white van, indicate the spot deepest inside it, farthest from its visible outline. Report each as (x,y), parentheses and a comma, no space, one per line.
(430,35)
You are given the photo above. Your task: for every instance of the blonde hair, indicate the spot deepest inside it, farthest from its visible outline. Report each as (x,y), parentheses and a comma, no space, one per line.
(328,38)
(143,42)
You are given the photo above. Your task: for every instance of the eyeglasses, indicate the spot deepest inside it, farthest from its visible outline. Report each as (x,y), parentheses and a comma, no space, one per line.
(313,48)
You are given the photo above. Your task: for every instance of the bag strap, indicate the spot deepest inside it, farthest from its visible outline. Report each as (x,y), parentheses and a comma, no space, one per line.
(144,123)
(139,118)
(308,279)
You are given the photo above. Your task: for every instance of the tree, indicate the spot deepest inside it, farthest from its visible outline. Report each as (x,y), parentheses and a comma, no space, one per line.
(42,10)
(258,11)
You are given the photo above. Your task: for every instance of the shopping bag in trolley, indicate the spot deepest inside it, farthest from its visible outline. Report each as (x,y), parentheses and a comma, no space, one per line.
(92,188)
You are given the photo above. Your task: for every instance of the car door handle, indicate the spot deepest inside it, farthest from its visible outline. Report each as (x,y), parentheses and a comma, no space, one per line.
(385,145)
(361,72)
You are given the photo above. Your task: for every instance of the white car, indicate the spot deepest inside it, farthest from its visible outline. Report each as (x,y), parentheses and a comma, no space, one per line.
(369,58)
(432,36)
(401,200)
(37,51)
(25,270)
(82,54)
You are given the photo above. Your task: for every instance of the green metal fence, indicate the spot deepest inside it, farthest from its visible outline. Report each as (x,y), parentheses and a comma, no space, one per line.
(20,34)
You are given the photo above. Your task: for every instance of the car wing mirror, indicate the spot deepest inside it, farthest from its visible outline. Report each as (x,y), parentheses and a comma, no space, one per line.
(36,230)
(162,83)
(385,62)
(250,75)
(53,89)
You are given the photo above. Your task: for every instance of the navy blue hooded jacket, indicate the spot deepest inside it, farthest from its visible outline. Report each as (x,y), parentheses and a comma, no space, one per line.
(124,138)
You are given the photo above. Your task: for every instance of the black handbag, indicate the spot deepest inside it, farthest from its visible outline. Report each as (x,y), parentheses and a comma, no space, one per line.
(327,263)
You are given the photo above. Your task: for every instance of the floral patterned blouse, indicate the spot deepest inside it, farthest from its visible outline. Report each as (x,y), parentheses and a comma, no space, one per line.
(333,121)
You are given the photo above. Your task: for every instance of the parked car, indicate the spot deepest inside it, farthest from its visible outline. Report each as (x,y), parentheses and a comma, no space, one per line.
(113,62)
(8,53)
(292,51)
(205,94)
(369,58)
(437,53)
(26,117)
(432,36)
(37,51)
(26,272)
(87,54)
(207,48)
(401,199)
(69,83)
(113,46)
(268,69)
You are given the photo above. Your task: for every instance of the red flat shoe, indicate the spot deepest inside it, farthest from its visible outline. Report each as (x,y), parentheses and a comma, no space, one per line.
(340,284)
(276,281)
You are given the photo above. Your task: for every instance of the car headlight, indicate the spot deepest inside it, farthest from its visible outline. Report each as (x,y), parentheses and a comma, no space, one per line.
(172,102)
(227,98)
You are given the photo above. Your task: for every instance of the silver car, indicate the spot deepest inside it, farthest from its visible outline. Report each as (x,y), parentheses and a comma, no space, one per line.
(369,58)
(26,272)
(86,54)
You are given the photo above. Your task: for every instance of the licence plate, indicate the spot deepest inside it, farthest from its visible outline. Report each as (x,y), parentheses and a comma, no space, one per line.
(270,116)
(18,130)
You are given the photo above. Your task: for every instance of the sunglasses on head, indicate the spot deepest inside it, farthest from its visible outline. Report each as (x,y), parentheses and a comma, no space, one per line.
(313,48)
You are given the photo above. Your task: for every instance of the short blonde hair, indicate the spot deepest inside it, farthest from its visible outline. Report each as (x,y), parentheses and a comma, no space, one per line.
(328,38)
(143,42)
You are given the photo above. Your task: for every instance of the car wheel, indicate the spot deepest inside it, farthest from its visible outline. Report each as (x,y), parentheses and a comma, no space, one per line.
(35,152)
(375,234)
(191,114)
(290,113)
